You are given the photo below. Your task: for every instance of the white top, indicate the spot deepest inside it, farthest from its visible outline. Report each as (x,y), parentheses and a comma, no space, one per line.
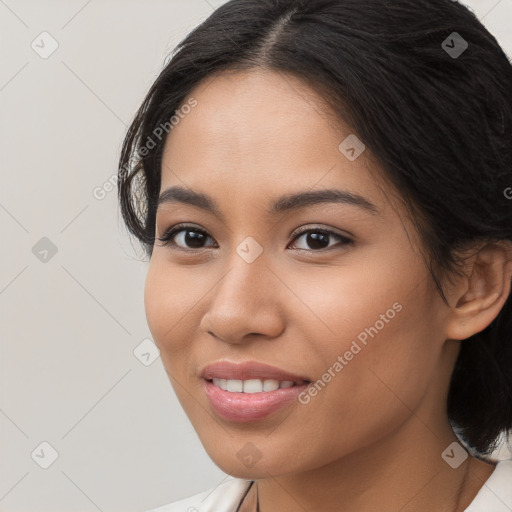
(494,496)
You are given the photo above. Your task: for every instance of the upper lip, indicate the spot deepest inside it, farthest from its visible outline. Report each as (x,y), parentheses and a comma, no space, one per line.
(247,370)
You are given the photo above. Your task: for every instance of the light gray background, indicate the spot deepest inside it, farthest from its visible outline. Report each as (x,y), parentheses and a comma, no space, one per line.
(69,325)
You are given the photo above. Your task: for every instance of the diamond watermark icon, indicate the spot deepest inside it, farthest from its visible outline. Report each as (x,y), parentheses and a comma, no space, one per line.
(351,147)
(44,250)
(44,455)
(249,249)
(249,455)
(44,45)
(454,45)
(454,455)
(146,352)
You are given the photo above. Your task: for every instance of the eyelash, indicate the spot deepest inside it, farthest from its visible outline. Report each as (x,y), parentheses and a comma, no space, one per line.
(169,234)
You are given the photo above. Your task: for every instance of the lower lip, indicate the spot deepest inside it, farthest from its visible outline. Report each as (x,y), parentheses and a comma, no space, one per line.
(244,407)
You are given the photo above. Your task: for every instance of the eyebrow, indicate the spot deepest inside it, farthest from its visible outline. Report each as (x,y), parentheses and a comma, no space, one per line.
(282,204)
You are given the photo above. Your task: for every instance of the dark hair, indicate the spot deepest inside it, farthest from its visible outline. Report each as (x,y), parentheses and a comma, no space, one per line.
(438,121)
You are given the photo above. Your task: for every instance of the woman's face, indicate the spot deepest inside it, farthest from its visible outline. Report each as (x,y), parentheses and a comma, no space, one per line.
(356,316)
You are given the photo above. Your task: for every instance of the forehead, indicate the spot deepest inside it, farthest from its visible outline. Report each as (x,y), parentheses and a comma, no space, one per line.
(254,111)
(259,133)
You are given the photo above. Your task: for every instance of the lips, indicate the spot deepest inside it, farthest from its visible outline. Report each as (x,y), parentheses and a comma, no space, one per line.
(250,391)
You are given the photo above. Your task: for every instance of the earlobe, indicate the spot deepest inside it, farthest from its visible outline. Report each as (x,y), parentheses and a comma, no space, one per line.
(481,294)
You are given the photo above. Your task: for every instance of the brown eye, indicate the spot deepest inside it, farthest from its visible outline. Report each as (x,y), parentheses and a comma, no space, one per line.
(318,239)
(189,237)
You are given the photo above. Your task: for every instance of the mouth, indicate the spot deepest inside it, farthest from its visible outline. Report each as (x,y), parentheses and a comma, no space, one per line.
(250,391)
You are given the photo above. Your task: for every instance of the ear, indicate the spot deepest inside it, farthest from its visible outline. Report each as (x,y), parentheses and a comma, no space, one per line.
(477,298)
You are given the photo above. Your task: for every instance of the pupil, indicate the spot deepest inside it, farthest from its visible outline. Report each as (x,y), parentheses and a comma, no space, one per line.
(195,240)
(313,239)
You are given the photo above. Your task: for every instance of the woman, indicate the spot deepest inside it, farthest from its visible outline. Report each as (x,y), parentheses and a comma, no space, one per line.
(323,188)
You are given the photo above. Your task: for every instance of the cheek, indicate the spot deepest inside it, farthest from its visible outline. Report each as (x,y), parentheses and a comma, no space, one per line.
(171,304)
(154,293)
(375,330)
(346,302)
(168,304)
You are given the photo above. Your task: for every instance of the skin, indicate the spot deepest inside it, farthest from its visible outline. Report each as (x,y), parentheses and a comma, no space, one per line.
(372,439)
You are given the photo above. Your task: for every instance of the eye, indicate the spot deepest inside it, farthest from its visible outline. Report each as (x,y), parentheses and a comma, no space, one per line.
(189,237)
(318,239)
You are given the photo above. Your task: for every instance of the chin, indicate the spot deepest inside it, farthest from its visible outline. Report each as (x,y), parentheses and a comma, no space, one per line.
(248,464)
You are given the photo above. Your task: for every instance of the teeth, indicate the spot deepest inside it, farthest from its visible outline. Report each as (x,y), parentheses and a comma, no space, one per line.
(270,385)
(235,385)
(251,385)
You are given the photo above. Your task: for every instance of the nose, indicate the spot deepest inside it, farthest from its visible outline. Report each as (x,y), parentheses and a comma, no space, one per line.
(246,302)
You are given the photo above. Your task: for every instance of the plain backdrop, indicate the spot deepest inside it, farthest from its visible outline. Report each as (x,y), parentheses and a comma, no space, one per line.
(86,423)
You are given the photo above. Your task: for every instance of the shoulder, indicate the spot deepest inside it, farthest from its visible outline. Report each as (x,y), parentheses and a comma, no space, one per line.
(217,499)
(496,493)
